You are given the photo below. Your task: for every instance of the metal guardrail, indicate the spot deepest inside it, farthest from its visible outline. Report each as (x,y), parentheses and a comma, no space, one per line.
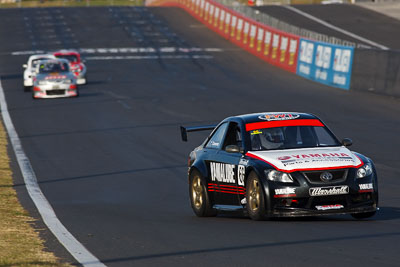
(286,27)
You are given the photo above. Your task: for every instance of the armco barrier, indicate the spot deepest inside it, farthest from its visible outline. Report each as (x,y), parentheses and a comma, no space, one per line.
(274,46)
(376,71)
(325,63)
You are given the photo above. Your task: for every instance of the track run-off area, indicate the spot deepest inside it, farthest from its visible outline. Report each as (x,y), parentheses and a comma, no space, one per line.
(113,167)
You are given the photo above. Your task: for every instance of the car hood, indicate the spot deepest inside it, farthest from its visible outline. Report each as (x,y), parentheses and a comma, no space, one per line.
(291,160)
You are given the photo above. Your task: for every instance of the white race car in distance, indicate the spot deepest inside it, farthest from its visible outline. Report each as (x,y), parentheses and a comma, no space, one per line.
(30,68)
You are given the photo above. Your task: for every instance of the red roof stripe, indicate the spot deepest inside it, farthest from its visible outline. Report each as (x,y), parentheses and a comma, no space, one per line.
(283,123)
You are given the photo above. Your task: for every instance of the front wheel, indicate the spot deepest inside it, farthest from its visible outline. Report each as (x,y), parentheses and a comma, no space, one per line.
(255,198)
(199,198)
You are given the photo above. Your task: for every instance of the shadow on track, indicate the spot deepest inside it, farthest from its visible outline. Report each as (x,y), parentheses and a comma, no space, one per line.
(102,174)
(253,246)
(177,124)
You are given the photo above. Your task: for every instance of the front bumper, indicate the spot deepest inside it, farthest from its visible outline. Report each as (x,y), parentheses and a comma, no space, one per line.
(52,91)
(334,207)
(349,195)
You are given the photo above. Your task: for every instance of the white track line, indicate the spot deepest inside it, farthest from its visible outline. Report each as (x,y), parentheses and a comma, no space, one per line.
(355,36)
(77,250)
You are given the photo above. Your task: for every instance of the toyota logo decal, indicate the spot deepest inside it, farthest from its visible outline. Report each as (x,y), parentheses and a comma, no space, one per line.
(326,176)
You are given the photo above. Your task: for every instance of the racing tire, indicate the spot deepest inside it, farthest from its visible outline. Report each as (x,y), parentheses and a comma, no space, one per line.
(27,88)
(255,198)
(365,215)
(199,198)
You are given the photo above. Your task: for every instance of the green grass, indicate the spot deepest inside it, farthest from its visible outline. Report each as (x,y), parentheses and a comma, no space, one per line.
(72,3)
(20,244)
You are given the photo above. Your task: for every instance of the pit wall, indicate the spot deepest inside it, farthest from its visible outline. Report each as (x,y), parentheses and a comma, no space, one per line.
(325,63)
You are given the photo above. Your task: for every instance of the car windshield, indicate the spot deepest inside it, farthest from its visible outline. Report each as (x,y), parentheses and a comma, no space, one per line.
(70,58)
(292,137)
(49,67)
(36,61)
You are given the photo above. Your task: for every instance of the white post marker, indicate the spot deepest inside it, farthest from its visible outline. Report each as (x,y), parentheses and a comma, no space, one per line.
(77,250)
(326,24)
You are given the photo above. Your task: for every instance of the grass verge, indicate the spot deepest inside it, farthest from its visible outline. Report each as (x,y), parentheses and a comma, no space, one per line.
(20,244)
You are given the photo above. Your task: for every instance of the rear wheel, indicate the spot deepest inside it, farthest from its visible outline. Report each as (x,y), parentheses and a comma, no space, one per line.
(199,198)
(255,198)
(27,88)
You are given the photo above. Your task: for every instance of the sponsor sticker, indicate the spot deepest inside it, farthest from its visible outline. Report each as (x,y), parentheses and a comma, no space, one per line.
(279,116)
(285,191)
(329,191)
(255,132)
(243,162)
(366,186)
(329,207)
(221,172)
(296,159)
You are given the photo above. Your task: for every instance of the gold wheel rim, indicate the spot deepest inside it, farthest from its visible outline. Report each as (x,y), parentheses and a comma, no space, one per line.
(197,192)
(254,195)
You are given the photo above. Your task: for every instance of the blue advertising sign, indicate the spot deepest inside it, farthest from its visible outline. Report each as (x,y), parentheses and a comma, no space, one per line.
(325,63)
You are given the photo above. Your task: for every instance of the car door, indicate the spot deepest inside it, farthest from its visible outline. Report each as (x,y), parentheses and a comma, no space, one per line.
(225,173)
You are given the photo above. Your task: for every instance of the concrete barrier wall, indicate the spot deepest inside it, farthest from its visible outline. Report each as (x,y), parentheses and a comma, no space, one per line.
(376,71)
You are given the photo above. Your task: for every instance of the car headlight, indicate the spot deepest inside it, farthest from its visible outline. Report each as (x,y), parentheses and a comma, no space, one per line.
(42,82)
(278,176)
(364,170)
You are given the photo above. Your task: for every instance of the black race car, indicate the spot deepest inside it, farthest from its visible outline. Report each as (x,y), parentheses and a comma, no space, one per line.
(279,165)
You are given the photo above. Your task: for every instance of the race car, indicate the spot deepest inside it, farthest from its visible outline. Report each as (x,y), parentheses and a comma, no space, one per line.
(283,164)
(76,65)
(30,68)
(53,79)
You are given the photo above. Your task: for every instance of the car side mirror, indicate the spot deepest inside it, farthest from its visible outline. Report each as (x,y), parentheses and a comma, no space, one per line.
(232,149)
(347,142)
(24,66)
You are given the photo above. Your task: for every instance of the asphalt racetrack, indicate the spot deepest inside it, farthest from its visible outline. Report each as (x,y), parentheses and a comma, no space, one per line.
(112,164)
(355,19)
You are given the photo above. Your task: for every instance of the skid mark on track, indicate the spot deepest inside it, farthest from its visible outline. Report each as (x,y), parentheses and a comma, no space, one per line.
(145,29)
(48,29)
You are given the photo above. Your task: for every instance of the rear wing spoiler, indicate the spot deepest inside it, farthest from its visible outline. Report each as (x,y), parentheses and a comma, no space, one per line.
(185,130)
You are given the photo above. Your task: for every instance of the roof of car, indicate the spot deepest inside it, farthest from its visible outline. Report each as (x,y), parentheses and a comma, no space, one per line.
(33,57)
(273,116)
(54,60)
(66,52)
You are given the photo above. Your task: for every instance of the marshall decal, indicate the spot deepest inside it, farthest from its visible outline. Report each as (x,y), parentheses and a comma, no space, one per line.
(328,191)
(223,173)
